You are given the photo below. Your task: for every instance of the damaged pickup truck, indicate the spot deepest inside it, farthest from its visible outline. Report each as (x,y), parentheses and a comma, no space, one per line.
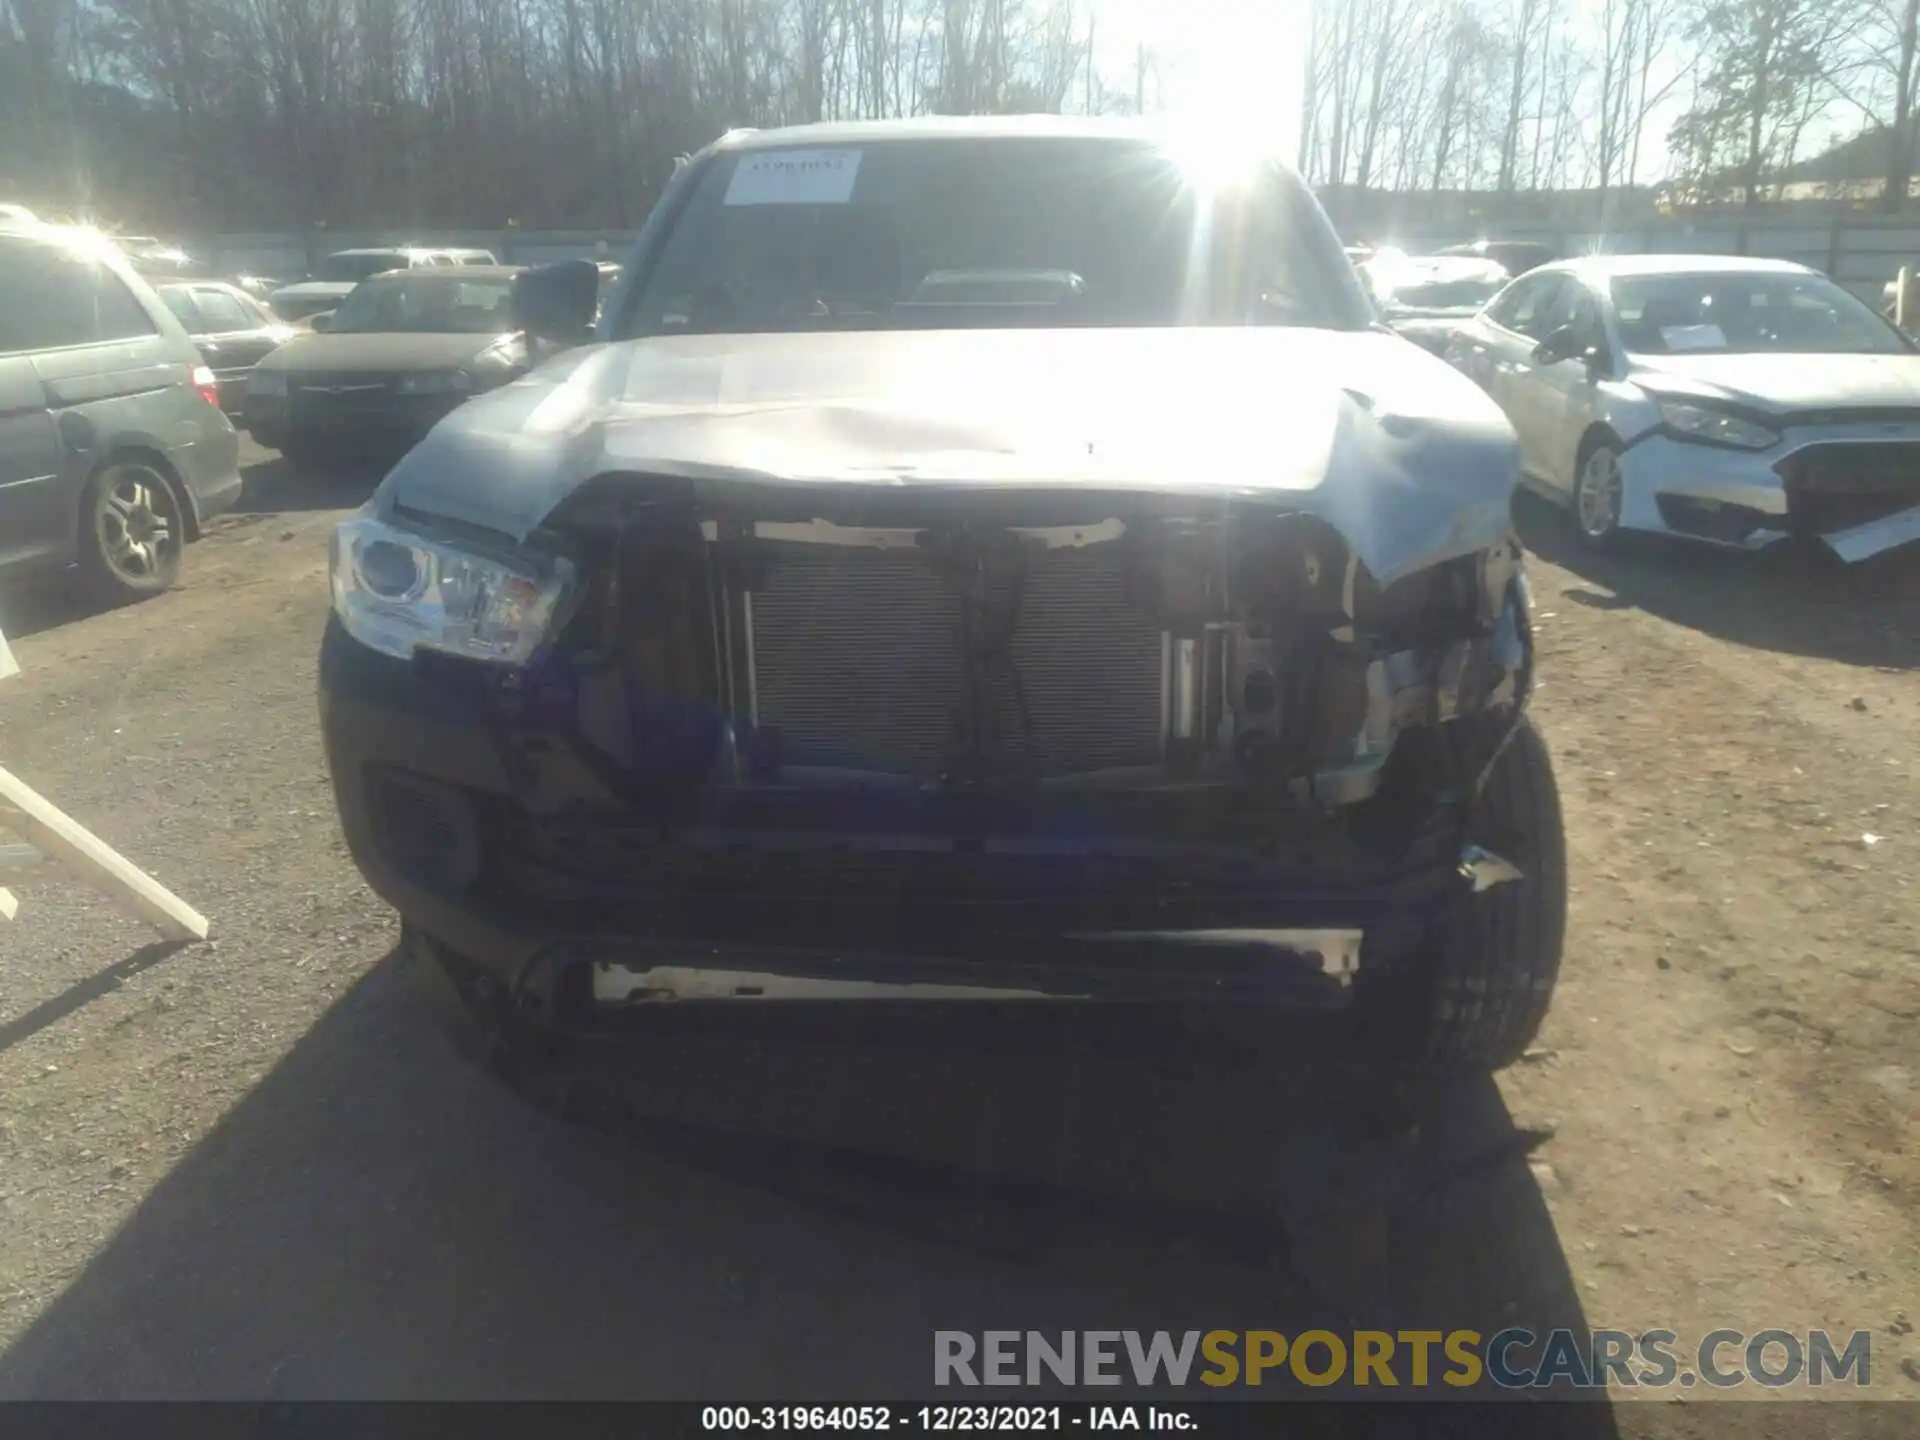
(988,560)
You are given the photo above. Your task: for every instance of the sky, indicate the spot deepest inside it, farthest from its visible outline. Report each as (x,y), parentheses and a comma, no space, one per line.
(1236,62)
(1243,61)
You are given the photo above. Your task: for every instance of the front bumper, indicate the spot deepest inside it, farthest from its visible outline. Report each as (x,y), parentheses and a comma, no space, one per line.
(1740,499)
(784,894)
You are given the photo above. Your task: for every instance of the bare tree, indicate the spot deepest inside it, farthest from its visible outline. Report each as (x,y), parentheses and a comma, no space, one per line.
(1527,22)
(1765,65)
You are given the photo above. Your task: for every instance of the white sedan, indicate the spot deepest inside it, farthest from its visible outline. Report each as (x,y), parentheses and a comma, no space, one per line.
(1729,400)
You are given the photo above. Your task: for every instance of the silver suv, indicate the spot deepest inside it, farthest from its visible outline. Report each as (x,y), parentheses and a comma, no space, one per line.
(113,450)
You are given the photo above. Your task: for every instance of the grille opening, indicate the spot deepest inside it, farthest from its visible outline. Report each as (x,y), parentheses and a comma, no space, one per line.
(719,649)
(1845,483)
(859,663)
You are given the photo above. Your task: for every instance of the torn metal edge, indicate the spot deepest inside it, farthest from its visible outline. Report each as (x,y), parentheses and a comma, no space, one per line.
(1875,537)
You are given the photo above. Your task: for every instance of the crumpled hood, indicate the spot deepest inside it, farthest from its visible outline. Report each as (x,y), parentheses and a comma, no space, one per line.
(322,350)
(1406,457)
(1779,383)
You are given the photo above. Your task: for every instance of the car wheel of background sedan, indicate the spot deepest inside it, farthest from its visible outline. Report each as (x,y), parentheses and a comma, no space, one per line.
(1477,999)
(132,533)
(1599,493)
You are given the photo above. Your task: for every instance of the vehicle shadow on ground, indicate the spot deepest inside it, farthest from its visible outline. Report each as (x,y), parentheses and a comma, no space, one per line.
(375,1219)
(275,486)
(1795,600)
(45,604)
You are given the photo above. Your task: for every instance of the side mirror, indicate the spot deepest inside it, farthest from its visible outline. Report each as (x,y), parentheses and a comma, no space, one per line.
(557,302)
(1562,344)
(322,321)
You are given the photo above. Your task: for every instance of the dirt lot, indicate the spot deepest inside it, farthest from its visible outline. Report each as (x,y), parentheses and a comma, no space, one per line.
(249,1169)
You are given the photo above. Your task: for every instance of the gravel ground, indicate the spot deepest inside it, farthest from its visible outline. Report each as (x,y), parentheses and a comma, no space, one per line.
(249,1168)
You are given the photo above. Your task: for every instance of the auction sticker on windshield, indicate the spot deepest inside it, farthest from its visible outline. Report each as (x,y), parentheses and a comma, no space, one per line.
(794,177)
(1693,337)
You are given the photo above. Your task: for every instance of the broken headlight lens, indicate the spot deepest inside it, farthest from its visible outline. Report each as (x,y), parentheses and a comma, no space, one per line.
(1703,422)
(397,592)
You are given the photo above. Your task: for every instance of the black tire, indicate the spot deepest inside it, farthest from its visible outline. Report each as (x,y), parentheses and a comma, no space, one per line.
(132,533)
(1474,1001)
(1595,516)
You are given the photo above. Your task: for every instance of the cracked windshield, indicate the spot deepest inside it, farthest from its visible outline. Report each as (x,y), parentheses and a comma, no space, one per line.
(932,715)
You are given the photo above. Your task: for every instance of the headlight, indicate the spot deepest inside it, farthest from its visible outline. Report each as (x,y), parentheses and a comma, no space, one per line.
(396,592)
(1701,422)
(435,382)
(267,382)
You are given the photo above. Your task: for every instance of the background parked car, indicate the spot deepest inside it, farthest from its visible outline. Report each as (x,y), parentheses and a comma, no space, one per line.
(379,372)
(112,449)
(260,287)
(152,256)
(1517,257)
(1427,298)
(1720,398)
(344,269)
(230,328)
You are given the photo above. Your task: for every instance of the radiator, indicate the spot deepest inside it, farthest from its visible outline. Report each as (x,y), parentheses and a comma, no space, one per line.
(857,663)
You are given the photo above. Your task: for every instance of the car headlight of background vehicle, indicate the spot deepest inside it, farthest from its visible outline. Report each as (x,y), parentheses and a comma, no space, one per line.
(1703,422)
(435,382)
(396,592)
(269,383)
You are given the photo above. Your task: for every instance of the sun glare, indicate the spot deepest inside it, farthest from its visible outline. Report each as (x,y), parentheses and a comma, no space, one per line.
(1226,65)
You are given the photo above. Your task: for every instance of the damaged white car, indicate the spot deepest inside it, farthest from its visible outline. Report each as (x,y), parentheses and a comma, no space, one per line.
(964,560)
(1723,399)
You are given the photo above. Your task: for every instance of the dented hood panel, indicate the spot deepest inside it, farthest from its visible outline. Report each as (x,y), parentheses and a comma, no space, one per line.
(1784,383)
(1406,457)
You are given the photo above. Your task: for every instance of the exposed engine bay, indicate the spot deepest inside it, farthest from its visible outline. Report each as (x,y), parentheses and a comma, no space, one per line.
(1056,645)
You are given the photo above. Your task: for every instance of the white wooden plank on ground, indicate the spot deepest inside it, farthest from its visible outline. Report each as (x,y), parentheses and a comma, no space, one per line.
(90,859)
(9,906)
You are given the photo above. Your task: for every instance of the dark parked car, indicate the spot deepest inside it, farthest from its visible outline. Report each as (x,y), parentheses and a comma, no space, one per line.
(400,352)
(973,560)
(344,269)
(113,451)
(232,331)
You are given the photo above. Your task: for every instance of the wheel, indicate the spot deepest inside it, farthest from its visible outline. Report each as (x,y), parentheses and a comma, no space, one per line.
(131,533)
(1598,493)
(1475,998)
